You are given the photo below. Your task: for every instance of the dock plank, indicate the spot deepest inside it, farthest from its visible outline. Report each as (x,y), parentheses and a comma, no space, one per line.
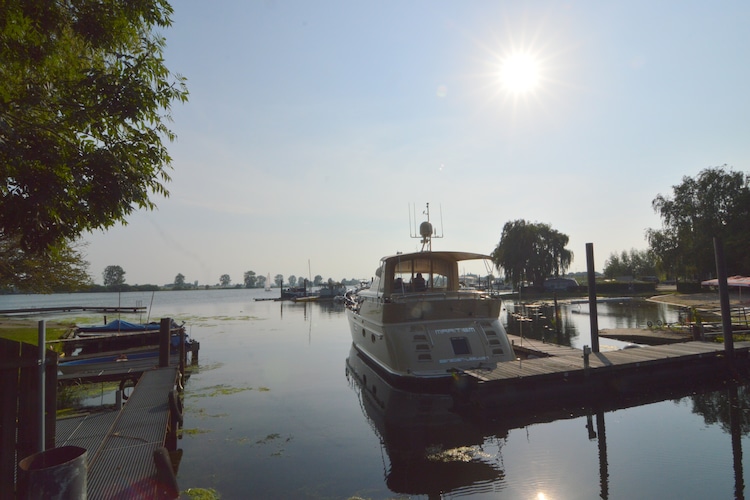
(128,448)
(572,360)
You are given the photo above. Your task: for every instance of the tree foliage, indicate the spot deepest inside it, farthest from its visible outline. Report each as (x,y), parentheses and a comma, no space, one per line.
(225,280)
(84,98)
(279,280)
(636,263)
(61,268)
(113,276)
(251,279)
(716,203)
(179,281)
(531,251)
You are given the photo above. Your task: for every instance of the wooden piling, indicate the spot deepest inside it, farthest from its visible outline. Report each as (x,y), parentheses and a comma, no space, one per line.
(164,336)
(593,318)
(726,313)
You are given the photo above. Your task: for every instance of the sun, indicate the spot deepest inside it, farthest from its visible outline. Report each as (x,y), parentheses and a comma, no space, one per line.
(519,73)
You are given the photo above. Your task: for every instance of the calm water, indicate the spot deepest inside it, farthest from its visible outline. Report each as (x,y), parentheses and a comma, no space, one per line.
(273,412)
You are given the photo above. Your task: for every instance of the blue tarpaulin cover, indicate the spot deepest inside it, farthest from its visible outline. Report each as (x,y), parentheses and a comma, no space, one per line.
(119,325)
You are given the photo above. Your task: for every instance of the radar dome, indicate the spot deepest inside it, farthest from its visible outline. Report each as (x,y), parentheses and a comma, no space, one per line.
(425,229)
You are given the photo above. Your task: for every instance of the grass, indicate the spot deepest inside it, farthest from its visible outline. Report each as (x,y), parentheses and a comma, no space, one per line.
(28,331)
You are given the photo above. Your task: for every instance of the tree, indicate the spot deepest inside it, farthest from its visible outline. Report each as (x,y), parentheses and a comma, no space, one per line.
(179,282)
(716,203)
(317,280)
(531,251)
(292,280)
(84,98)
(634,264)
(261,281)
(113,276)
(60,268)
(225,280)
(250,279)
(279,280)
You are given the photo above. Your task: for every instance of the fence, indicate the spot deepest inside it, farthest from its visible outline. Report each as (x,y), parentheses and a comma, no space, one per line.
(19,408)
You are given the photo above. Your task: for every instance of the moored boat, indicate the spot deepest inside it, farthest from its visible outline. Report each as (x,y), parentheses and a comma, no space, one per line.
(415,321)
(116,326)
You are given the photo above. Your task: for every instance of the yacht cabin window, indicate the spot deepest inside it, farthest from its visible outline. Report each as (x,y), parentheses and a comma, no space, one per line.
(422,274)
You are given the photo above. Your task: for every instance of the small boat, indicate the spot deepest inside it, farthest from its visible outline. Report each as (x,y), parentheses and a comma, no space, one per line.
(416,322)
(326,291)
(331,291)
(293,292)
(117,334)
(119,326)
(307,298)
(108,360)
(115,326)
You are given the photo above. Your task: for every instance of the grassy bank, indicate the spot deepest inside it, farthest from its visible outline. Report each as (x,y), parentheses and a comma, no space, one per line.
(27,330)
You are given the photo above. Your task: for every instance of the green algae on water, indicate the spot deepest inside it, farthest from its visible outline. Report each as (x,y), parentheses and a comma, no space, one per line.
(201,494)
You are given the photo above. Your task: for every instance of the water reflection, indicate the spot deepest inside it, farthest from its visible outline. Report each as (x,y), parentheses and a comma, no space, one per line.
(432,449)
(436,445)
(570,324)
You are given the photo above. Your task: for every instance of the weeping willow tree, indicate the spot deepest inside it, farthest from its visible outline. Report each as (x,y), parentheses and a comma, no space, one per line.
(531,251)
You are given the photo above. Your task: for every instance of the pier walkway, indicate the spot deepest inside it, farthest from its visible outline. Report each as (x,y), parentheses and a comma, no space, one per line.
(123,446)
(558,374)
(36,310)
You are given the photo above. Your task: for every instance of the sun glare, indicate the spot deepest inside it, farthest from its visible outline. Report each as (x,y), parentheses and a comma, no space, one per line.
(519,73)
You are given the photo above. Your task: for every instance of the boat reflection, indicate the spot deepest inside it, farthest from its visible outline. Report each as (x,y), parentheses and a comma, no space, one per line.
(432,449)
(435,443)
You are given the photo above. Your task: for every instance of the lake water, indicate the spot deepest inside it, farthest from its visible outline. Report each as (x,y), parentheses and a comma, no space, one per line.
(272,411)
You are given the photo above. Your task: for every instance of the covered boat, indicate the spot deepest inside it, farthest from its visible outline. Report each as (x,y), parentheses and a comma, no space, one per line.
(116,326)
(416,321)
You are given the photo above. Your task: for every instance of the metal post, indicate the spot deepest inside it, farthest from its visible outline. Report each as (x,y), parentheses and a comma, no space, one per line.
(593,317)
(42,330)
(726,314)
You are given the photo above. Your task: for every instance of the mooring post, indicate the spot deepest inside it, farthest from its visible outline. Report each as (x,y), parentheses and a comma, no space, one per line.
(183,352)
(164,333)
(586,353)
(42,331)
(726,313)
(593,317)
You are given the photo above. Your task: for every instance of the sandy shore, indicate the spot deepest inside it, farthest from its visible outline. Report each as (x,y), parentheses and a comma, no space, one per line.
(704,300)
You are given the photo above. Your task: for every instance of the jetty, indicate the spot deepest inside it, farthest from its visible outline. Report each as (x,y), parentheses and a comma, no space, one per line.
(35,310)
(550,375)
(128,451)
(123,450)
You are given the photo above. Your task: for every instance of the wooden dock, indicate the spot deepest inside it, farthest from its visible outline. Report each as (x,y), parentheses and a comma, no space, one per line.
(35,310)
(126,447)
(558,375)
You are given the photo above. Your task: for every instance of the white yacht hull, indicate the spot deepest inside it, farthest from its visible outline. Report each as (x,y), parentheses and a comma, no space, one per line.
(431,338)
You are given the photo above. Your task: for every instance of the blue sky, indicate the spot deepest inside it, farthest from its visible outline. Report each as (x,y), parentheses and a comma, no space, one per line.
(313,126)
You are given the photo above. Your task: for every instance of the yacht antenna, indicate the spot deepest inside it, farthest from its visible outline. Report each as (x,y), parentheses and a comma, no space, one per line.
(426,231)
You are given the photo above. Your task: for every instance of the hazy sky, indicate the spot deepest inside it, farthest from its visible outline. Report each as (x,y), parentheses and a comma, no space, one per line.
(313,125)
